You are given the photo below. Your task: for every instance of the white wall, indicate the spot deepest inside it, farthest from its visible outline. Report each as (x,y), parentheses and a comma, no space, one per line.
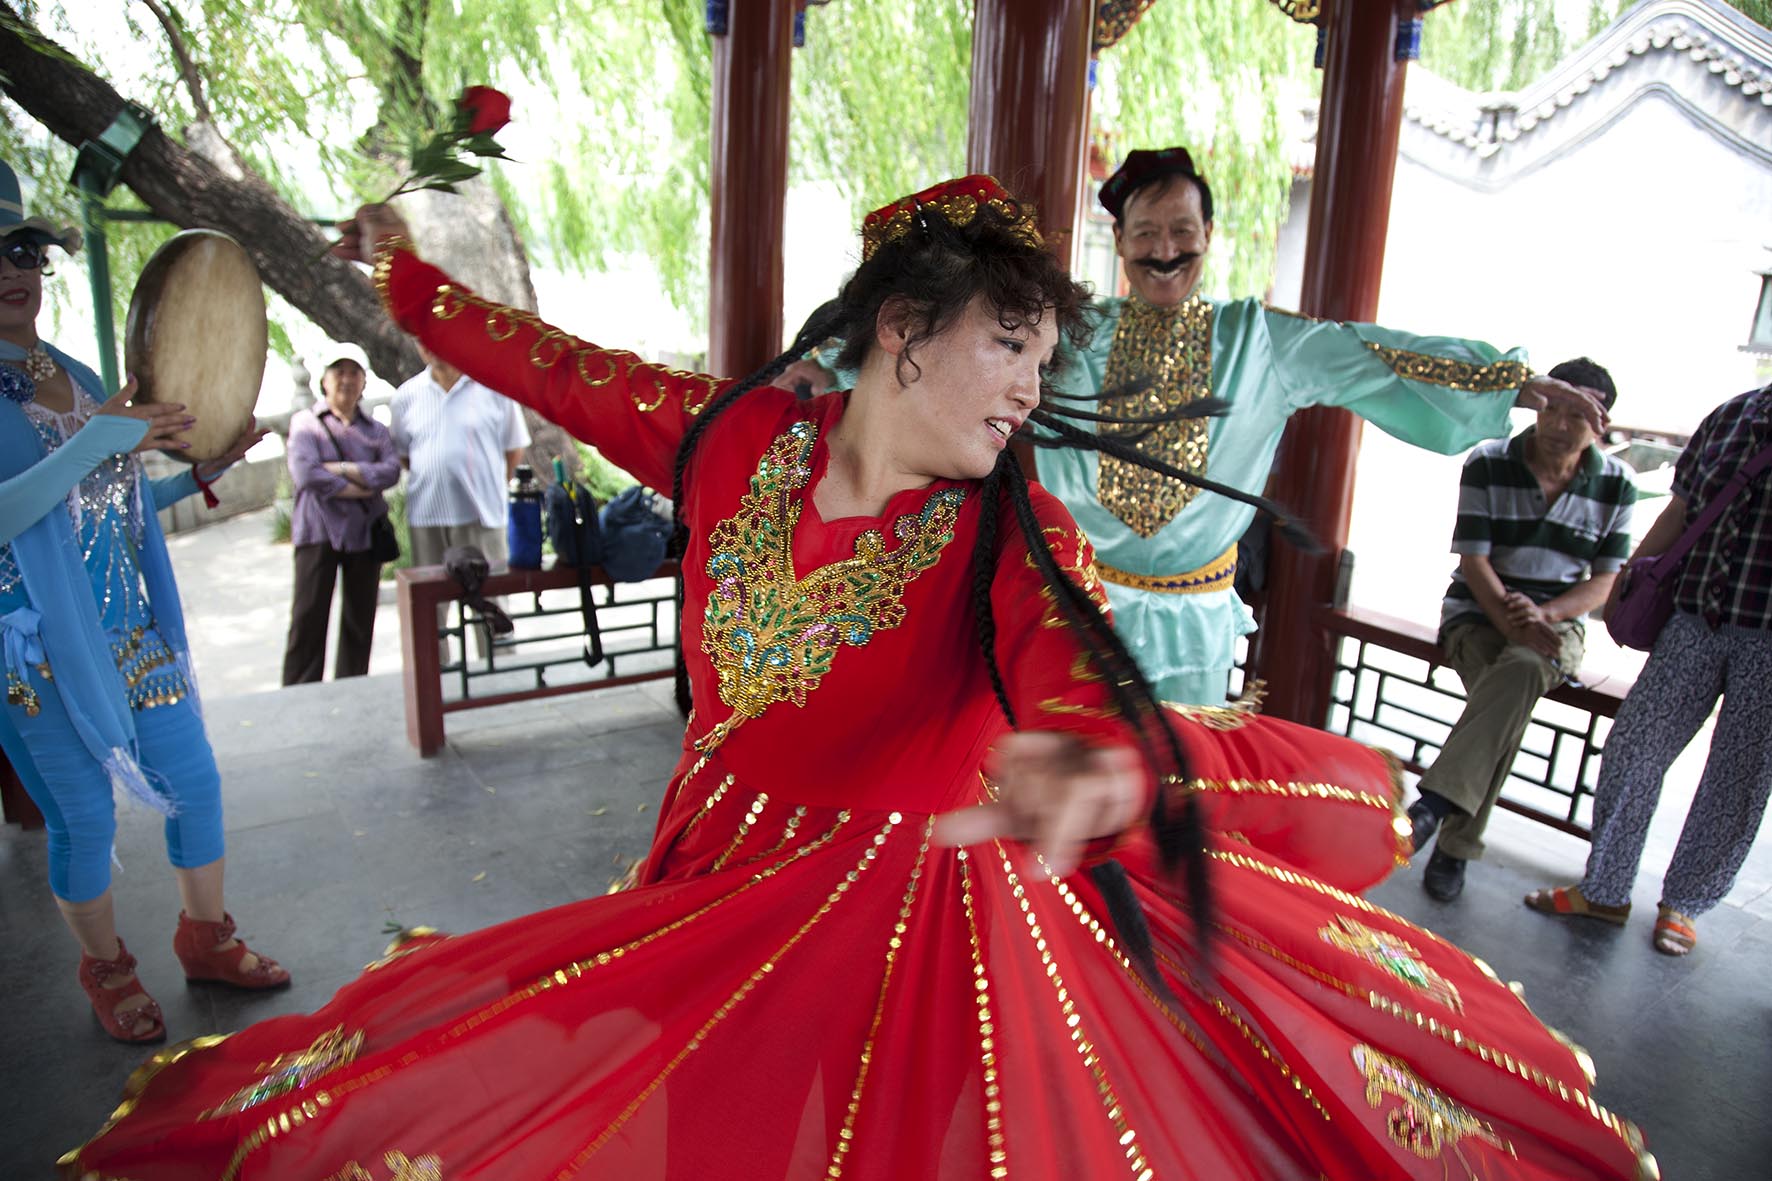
(1636,248)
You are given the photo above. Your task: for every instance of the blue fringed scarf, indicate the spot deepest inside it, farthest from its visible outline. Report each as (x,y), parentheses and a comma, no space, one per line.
(73,636)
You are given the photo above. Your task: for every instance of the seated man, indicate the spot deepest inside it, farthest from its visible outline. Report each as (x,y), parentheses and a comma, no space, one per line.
(1543,528)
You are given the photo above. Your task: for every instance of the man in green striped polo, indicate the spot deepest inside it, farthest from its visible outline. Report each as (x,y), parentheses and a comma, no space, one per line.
(1543,528)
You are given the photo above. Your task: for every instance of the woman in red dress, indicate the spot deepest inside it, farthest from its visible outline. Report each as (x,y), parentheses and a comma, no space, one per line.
(850,954)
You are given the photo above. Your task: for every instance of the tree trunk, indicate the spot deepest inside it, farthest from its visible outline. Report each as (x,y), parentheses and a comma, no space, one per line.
(188,189)
(471,235)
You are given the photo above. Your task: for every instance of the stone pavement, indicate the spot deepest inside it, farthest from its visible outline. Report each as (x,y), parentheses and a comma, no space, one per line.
(236,586)
(337,830)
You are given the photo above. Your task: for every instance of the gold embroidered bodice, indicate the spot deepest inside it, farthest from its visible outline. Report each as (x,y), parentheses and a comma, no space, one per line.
(1172,348)
(771,634)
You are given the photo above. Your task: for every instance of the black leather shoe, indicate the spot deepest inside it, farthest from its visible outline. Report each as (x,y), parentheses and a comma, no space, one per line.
(1443,879)
(1423,824)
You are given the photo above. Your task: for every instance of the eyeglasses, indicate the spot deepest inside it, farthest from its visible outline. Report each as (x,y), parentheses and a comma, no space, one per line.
(25,254)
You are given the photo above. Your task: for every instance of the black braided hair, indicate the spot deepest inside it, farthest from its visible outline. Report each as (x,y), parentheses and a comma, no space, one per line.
(1179,835)
(1066,435)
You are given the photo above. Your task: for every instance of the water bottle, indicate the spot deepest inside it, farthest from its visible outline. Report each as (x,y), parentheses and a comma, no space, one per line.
(523,520)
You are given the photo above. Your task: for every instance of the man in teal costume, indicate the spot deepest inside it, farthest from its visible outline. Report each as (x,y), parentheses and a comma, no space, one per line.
(1166,551)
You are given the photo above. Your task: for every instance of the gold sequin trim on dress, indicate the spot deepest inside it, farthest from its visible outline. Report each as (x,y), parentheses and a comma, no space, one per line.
(1452,1035)
(1273,787)
(1457,375)
(1080,566)
(1172,349)
(987,1030)
(772,635)
(1073,1024)
(751,816)
(737,997)
(137,1083)
(1100,934)
(595,367)
(323,1099)
(403,944)
(1236,1021)
(1233,715)
(846,1137)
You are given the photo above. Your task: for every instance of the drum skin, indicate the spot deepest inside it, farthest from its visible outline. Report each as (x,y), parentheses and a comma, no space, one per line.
(197,335)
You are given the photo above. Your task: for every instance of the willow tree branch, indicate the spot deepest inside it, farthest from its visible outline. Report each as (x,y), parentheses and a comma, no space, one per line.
(181,53)
(191,191)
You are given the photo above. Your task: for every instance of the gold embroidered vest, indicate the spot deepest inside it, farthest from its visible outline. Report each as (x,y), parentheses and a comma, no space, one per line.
(1172,347)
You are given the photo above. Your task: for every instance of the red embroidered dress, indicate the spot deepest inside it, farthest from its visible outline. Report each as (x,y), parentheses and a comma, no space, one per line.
(803,985)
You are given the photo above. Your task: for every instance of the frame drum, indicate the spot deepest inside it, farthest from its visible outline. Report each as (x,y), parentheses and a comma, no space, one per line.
(197,335)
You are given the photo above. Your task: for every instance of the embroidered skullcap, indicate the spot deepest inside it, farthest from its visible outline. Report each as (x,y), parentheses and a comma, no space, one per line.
(956,201)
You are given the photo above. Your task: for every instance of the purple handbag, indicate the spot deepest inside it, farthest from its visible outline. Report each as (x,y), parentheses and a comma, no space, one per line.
(1646,594)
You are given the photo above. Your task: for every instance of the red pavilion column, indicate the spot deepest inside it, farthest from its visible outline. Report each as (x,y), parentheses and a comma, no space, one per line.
(1357,130)
(1030,104)
(752,64)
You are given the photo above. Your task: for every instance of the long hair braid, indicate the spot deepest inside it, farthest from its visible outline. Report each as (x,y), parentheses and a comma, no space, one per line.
(1179,836)
(984,568)
(1066,435)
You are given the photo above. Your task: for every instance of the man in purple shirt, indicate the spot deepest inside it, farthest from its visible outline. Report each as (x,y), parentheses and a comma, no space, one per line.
(339,461)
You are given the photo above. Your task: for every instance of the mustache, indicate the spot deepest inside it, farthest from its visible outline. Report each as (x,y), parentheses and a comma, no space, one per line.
(1166,266)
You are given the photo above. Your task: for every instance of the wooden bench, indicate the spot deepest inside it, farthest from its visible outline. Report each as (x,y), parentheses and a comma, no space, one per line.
(421,591)
(1593,692)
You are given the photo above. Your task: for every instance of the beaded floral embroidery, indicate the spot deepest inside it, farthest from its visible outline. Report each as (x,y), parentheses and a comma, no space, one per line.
(1394,955)
(1426,1122)
(289,1072)
(771,634)
(428,1167)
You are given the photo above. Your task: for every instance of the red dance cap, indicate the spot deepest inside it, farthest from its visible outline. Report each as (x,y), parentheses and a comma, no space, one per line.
(958,201)
(1141,167)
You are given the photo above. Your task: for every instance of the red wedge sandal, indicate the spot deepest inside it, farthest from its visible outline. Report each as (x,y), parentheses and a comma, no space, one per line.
(201,949)
(125,1026)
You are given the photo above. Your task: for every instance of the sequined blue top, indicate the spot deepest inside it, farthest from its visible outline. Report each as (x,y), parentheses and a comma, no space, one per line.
(106,509)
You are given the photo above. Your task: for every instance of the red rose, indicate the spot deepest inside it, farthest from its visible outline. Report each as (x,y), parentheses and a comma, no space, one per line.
(487,109)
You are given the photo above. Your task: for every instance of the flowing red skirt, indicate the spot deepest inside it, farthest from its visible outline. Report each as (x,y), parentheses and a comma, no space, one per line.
(809,992)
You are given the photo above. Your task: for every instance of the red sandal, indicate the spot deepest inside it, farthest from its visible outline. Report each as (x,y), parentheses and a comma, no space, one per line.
(95,978)
(198,946)
(1675,932)
(1568,901)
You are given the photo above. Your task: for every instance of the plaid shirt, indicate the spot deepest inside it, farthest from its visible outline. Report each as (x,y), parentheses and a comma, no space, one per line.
(1728,575)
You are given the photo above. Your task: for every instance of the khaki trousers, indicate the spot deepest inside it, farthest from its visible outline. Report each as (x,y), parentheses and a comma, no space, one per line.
(1502,684)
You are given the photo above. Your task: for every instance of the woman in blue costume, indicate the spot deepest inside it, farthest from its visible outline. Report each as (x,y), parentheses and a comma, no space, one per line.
(100,695)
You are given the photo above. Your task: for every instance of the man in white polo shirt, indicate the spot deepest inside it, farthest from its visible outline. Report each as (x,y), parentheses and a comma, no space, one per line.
(460,442)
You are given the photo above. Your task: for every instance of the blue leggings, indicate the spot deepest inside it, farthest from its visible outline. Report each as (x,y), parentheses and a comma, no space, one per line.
(74,794)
